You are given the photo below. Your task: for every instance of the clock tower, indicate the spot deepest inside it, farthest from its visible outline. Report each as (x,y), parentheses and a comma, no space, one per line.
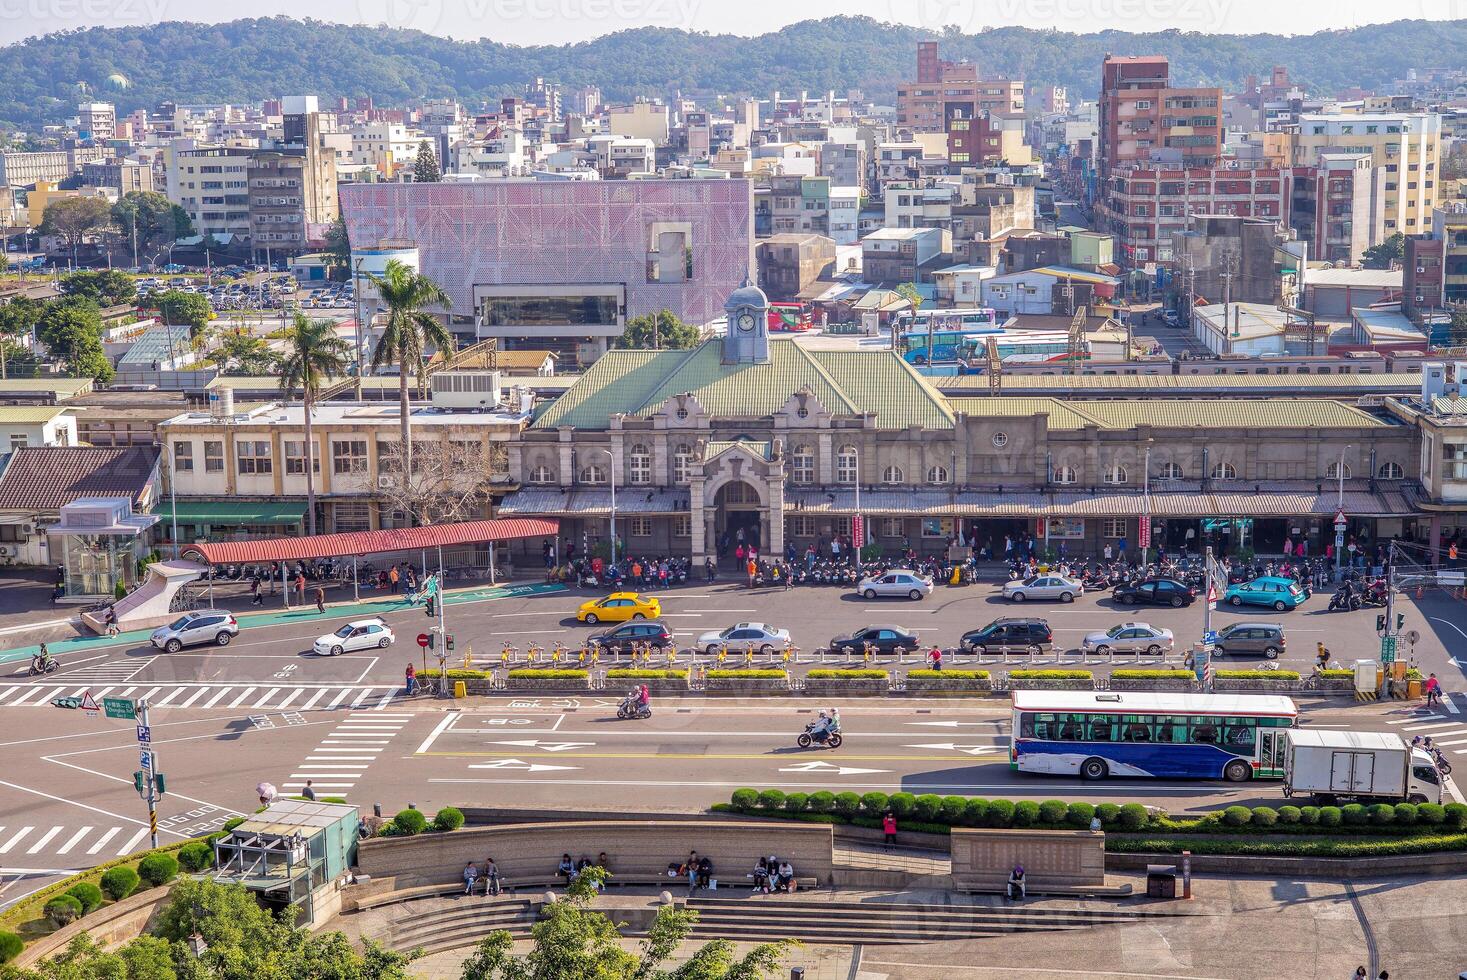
(747,339)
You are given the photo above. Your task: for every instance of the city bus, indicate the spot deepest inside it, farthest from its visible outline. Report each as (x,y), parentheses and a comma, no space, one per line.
(1095,734)
(953,333)
(793,317)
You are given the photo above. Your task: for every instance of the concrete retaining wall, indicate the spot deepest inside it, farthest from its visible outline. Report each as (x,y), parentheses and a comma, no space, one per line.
(1068,858)
(110,926)
(1396,866)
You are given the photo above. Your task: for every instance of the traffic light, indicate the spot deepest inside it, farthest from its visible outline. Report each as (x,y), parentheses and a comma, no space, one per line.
(1400,621)
(138,781)
(432,640)
(428,606)
(448,643)
(1380,623)
(158,782)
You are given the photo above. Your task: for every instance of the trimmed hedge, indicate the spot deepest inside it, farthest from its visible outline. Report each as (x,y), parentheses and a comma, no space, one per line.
(1336,675)
(1051,675)
(448,818)
(88,894)
(865,675)
(196,856)
(408,823)
(158,869)
(1153,675)
(1258,675)
(63,910)
(1359,846)
(455,674)
(962,675)
(531,673)
(747,675)
(639,673)
(231,823)
(119,882)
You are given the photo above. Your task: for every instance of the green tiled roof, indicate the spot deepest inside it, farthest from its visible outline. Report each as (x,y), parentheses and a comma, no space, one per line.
(1061,415)
(1177,413)
(846,383)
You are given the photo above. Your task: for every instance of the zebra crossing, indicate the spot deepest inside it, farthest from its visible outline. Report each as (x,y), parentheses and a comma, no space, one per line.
(257,696)
(1446,732)
(22,846)
(344,755)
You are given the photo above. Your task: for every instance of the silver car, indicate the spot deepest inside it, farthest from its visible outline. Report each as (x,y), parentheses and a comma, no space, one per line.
(898,582)
(1129,638)
(216,626)
(759,637)
(1043,587)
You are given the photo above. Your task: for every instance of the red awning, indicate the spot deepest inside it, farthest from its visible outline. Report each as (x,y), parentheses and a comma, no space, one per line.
(374,542)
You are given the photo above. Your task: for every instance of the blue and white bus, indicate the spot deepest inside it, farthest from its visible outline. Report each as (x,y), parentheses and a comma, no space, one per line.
(1095,734)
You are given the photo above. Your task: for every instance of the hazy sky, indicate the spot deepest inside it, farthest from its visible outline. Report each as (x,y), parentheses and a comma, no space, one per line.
(560,21)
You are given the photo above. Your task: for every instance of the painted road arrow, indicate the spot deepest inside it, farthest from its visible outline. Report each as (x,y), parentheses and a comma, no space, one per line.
(949,724)
(970,749)
(826,767)
(535,743)
(518,764)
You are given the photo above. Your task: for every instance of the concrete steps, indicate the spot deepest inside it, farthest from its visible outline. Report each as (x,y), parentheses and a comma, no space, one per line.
(440,924)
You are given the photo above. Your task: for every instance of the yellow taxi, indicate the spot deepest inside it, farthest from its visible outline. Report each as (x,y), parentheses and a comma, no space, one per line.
(618,608)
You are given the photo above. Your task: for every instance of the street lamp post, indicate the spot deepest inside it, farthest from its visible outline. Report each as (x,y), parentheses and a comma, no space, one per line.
(173,498)
(611,478)
(856,547)
(1144,531)
(1339,514)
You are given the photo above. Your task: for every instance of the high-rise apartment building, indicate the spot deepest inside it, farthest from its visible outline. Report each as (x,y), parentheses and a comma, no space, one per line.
(945,88)
(1406,146)
(1144,119)
(97,121)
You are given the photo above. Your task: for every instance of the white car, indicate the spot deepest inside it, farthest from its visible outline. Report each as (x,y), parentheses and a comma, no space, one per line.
(359,634)
(759,637)
(898,582)
(1052,586)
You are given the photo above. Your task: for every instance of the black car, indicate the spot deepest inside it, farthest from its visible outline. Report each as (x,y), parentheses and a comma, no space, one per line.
(885,639)
(1012,634)
(642,633)
(1154,592)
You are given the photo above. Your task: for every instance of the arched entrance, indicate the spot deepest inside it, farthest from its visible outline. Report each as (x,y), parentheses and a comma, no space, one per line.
(737,518)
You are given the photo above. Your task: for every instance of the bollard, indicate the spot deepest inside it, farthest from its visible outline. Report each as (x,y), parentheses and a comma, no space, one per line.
(460,689)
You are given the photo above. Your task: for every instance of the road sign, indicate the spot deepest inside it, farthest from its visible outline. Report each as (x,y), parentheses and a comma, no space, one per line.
(145,759)
(1387,649)
(1210,637)
(119,708)
(423,640)
(89,703)
(1144,530)
(858,532)
(1340,520)
(145,734)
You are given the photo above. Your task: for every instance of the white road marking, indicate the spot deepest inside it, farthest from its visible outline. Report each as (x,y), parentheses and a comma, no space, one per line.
(5,848)
(194,697)
(247,692)
(217,698)
(433,736)
(386,700)
(1408,721)
(326,775)
(314,698)
(340,758)
(102,841)
(127,848)
(1439,724)
(9,691)
(293,695)
(339,698)
(266,697)
(361,697)
(169,699)
(44,840)
(1460,741)
(1451,706)
(75,838)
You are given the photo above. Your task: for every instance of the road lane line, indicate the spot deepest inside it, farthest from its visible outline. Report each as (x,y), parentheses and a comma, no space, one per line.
(169,699)
(1439,724)
(327,775)
(136,838)
(44,840)
(216,698)
(355,747)
(316,785)
(5,848)
(149,696)
(1459,741)
(266,697)
(314,698)
(125,691)
(341,758)
(1451,706)
(194,697)
(376,717)
(339,698)
(328,741)
(102,841)
(1408,721)
(900,783)
(386,700)
(361,697)
(247,692)
(29,693)
(9,691)
(293,695)
(75,838)
(442,725)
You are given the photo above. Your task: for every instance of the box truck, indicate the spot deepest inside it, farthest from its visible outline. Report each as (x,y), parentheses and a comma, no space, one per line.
(1330,766)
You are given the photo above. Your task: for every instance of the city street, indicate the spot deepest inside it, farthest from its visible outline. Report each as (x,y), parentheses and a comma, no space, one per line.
(266,709)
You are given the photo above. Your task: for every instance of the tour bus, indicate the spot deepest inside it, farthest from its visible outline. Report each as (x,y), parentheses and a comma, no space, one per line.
(1095,734)
(954,333)
(792,317)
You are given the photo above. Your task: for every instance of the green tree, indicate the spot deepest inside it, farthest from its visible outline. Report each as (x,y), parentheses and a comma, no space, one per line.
(657,331)
(179,308)
(1381,256)
(338,244)
(314,354)
(243,355)
(71,329)
(574,940)
(74,219)
(909,292)
(158,221)
(105,287)
(425,167)
(17,319)
(410,329)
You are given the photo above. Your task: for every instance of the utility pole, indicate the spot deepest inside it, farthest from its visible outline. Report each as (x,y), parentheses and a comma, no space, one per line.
(148,780)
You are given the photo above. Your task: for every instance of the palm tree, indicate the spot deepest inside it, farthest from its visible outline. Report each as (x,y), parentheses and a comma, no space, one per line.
(410,328)
(313,355)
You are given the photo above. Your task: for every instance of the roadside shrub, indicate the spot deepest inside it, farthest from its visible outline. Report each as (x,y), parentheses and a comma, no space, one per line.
(975,812)
(847,804)
(1406,814)
(1051,675)
(1237,816)
(1258,675)
(158,869)
(409,823)
(1330,816)
(1134,816)
(1079,815)
(1354,814)
(822,801)
(1026,813)
(1265,816)
(454,674)
(1309,815)
(88,894)
(848,675)
(448,818)
(1153,675)
(531,673)
(874,803)
(62,910)
(929,806)
(1431,814)
(744,799)
(231,823)
(645,674)
(1289,814)
(1052,811)
(902,804)
(937,675)
(196,857)
(1000,813)
(119,882)
(771,799)
(796,802)
(1456,815)
(10,946)
(952,809)
(1382,814)
(1108,813)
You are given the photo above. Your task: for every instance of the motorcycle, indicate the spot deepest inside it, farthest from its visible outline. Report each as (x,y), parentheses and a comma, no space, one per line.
(810,737)
(43,665)
(632,708)
(1344,600)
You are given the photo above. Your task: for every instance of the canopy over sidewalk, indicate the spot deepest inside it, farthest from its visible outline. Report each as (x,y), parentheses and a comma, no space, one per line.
(373,542)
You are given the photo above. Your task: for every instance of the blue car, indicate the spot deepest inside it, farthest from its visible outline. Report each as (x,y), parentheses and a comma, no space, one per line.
(1272,591)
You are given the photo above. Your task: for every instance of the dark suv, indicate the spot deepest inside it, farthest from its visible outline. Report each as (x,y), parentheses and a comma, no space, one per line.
(884,639)
(1250,640)
(1010,635)
(620,639)
(1154,592)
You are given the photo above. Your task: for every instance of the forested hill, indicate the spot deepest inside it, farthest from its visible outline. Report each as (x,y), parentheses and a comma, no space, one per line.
(248,60)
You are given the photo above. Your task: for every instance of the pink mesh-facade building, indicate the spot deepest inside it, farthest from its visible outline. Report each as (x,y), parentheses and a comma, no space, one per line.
(562,264)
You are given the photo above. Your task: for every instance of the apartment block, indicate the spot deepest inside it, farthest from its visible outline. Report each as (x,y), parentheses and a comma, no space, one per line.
(1144,118)
(945,87)
(52,166)
(1146,206)
(1338,206)
(789,264)
(1406,146)
(212,185)
(122,176)
(1449,225)
(96,121)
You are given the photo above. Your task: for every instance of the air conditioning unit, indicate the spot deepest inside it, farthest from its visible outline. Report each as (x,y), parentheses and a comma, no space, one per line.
(27,529)
(384,483)
(9,550)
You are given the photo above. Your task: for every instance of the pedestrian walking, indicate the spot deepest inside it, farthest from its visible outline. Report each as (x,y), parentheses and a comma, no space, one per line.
(255,585)
(753,569)
(308,792)
(547,554)
(300,584)
(393,578)
(935,656)
(320,600)
(888,830)
(1433,688)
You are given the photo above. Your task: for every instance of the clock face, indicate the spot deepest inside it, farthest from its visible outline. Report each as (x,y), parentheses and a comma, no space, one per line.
(746,322)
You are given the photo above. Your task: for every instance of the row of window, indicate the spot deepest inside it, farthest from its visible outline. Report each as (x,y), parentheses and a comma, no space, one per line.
(1114,727)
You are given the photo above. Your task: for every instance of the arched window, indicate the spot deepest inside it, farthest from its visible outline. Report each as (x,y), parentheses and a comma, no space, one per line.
(1224,471)
(802,465)
(682,461)
(892,474)
(1116,474)
(639,469)
(1064,475)
(1171,471)
(937,474)
(1333,472)
(593,473)
(1390,471)
(542,474)
(845,464)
